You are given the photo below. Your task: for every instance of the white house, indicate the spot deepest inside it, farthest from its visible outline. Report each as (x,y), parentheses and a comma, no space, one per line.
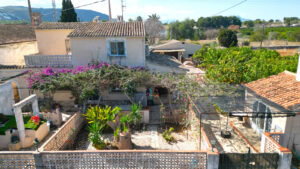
(275,105)
(119,43)
(80,43)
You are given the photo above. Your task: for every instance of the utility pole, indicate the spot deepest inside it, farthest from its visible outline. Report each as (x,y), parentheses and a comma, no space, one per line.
(30,12)
(54,14)
(109,8)
(122,7)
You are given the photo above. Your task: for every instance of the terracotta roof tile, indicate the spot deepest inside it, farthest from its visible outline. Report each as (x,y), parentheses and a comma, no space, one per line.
(282,89)
(62,25)
(12,33)
(114,29)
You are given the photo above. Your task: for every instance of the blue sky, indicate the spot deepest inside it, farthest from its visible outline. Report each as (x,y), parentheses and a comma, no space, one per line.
(182,9)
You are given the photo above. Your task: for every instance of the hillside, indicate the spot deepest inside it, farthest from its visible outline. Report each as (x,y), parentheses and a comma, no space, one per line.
(20,13)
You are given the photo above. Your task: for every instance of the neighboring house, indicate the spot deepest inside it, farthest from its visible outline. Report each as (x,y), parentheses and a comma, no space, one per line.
(178,49)
(119,42)
(52,37)
(272,97)
(15,42)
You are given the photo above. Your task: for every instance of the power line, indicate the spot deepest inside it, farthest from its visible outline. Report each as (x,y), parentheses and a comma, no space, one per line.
(230,7)
(77,7)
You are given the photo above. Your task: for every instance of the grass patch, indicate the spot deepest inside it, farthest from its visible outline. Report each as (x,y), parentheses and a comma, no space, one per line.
(11,124)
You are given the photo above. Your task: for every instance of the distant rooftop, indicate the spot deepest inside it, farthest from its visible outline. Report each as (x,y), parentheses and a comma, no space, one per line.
(176,45)
(282,89)
(110,29)
(12,33)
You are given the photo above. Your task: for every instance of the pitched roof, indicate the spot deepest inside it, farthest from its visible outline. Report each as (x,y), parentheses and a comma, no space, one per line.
(12,33)
(282,89)
(61,25)
(110,29)
(177,45)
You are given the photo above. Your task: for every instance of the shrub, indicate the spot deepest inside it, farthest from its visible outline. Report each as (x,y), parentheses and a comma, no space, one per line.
(227,38)
(167,135)
(246,43)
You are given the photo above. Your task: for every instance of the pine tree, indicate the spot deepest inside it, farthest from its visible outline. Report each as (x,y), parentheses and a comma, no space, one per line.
(68,13)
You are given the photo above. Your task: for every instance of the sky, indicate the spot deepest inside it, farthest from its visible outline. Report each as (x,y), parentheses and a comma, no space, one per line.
(170,10)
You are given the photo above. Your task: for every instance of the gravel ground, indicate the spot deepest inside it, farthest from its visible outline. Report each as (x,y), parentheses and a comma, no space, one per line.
(150,139)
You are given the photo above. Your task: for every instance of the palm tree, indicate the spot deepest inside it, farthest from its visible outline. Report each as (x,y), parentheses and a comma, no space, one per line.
(154,17)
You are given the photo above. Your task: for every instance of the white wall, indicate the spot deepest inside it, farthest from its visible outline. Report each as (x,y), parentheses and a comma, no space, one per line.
(13,54)
(277,122)
(84,50)
(6,98)
(52,42)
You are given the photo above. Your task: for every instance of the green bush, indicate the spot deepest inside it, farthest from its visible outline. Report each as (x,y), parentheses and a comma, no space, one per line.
(242,65)
(167,135)
(246,43)
(227,38)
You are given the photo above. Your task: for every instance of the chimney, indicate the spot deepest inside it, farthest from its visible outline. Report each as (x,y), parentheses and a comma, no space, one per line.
(298,70)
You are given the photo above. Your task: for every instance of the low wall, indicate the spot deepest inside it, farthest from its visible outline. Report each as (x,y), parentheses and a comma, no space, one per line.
(65,135)
(105,159)
(270,144)
(40,133)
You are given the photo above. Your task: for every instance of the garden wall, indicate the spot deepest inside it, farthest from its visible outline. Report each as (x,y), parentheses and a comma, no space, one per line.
(105,159)
(65,135)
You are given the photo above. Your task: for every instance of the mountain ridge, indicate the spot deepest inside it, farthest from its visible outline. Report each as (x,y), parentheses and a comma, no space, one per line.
(20,13)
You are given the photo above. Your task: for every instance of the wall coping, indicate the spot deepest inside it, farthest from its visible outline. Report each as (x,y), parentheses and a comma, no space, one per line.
(279,147)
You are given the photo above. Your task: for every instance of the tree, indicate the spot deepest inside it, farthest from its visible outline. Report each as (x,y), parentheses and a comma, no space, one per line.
(290,20)
(258,35)
(68,13)
(212,34)
(227,38)
(139,19)
(249,24)
(153,28)
(297,35)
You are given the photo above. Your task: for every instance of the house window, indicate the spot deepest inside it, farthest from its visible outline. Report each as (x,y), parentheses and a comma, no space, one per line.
(262,116)
(117,48)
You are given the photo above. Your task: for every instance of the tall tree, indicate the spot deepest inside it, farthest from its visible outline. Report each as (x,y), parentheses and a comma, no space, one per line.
(139,19)
(68,13)
(153,28)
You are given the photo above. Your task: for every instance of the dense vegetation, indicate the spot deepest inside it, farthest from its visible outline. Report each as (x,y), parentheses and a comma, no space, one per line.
(228,38)
(241,65)
(279,33)
(191,29)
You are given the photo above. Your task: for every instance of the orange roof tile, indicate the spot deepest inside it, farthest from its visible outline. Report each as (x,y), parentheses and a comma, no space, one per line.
(282,89)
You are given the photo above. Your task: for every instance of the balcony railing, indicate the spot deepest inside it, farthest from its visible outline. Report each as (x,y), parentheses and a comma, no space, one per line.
(48,60)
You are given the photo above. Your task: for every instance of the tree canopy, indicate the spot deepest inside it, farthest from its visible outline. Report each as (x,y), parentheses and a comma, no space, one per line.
(228,38)
(68,13)
(241,65)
